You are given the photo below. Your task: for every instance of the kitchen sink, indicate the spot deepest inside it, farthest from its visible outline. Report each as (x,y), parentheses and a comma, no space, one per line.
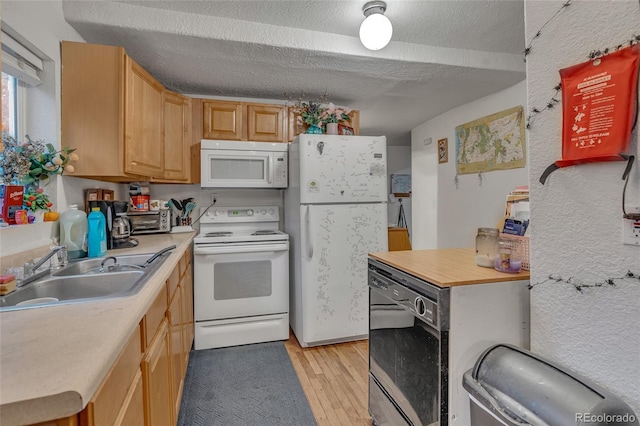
(94,265)
(85,280)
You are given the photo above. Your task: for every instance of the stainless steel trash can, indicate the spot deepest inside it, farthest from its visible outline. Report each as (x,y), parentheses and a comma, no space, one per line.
(512,386)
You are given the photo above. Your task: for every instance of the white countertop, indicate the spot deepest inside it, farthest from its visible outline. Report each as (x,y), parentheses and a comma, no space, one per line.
(52,359)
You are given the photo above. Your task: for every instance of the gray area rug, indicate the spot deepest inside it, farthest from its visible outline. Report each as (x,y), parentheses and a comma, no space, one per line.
(243,386)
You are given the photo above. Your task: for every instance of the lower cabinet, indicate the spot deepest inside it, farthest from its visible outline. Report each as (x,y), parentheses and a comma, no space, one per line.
(156,380)
(177,352)
(144,386)
(132,412)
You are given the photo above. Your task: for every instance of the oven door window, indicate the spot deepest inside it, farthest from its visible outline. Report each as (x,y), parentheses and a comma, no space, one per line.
(242,280)
(237,283)
(405,358)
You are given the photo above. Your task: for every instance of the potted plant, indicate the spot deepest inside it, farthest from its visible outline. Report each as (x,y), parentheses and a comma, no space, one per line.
(333,115)
(33,161)
(37,202)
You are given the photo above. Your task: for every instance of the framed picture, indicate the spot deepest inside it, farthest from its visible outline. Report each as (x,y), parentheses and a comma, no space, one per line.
(345,130)
(443,150)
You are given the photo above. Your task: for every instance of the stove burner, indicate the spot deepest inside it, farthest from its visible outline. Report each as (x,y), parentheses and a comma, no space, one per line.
(219,234)
(266,232)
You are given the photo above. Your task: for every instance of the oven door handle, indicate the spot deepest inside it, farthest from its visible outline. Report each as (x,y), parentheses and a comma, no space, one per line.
(240,249)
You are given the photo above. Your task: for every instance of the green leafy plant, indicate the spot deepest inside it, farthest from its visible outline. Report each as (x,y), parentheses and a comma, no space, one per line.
(36,199)
(33,161)
(333,114)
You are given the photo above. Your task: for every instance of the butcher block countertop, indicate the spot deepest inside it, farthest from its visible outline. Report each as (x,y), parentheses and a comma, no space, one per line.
(445,267)
(52,359)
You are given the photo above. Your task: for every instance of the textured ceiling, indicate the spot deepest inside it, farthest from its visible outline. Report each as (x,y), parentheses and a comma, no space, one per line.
(442,54)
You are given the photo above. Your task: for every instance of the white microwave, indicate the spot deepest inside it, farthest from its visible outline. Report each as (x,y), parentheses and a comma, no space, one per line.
(231,164)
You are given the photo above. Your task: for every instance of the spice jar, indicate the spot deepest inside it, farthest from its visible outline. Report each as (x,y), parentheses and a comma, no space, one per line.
(486,240)
(508,257)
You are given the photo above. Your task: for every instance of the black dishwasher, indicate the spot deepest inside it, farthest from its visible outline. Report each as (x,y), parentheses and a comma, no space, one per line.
(408,348)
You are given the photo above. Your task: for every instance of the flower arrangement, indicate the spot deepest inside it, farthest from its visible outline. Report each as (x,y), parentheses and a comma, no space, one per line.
(311,113)
(33,161)
(335,115)
(36,199)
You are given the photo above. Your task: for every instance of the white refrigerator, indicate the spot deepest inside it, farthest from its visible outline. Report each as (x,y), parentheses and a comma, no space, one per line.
(335,214)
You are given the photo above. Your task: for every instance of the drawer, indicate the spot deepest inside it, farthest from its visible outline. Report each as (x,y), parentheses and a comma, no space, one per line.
(153,318)
(105,405)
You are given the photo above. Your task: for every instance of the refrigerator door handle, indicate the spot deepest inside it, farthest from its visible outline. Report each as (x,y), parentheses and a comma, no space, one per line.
(307,225)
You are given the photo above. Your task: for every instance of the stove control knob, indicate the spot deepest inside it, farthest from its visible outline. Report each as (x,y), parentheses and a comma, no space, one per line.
(216,213)
(249,212)
(271,211)
(263,212)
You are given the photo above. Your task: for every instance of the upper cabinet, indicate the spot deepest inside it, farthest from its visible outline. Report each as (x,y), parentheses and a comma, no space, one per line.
(222,120)
(143,145)
(242,121)
(176,135)
(123,122)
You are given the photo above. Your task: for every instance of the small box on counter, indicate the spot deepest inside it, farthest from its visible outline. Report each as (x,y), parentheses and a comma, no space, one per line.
(11,197)
(97,194)
(140,203)
(91,194)
(108,194)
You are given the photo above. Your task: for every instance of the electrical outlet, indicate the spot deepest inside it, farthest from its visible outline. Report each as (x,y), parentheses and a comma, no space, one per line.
(214,198)
(631,229)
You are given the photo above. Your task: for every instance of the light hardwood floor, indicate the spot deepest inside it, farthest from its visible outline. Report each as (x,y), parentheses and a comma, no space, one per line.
(334,378)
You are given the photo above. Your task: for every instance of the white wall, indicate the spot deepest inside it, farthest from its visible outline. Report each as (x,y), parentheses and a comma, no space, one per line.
(40,24)
(399,162)
(224,197)
(443,215)
(576,216)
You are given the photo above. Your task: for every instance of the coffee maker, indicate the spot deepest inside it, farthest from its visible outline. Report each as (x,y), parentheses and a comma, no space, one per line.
(118,226)
(121,228)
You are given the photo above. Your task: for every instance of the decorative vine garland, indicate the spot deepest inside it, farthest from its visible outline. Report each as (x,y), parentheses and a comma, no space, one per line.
(594,54)
(579,286)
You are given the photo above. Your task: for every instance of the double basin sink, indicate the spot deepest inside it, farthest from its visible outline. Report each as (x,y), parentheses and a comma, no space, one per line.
(86,280)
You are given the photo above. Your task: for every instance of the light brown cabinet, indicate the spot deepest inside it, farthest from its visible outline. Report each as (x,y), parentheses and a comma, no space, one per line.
(156,379)
(176,329)
(176,136)
(222,120)
(243,121)
(113,112)
(144,386)
(110,400)
(144,152)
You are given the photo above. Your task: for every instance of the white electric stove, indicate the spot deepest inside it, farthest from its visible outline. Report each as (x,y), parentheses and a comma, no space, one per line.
(241,277)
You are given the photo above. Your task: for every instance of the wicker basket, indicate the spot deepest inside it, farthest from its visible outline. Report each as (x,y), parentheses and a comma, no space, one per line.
(521,245)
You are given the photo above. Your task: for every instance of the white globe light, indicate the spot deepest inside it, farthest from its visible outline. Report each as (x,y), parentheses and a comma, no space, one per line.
(376,31)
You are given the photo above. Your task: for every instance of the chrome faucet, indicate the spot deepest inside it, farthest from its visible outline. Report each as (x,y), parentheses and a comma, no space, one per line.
(30,273)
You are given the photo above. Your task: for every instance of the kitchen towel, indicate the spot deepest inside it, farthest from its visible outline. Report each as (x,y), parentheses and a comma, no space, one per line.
(243,386)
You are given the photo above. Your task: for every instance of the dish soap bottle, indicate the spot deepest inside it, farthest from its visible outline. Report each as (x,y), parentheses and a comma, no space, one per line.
(97,233)
(73,232)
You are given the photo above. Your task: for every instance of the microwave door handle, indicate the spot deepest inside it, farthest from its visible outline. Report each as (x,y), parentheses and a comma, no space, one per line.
(308,234)
(269,168)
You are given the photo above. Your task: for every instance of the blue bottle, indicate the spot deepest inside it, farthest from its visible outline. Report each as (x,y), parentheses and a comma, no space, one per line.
(97,233)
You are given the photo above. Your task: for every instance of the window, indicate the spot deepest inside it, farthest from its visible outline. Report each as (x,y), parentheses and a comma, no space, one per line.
(10,104)
(21,68)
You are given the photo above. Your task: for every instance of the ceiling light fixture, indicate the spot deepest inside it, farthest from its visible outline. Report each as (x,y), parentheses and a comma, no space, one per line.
(376,29)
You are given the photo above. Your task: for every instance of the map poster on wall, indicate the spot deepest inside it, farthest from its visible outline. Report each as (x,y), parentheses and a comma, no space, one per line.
(494,142)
